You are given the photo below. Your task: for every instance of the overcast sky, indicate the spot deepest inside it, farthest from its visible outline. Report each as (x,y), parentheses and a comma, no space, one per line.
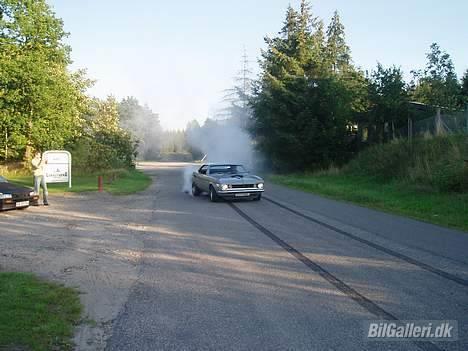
(179,56)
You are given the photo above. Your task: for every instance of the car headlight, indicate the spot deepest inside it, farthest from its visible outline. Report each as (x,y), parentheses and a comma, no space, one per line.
(5,196)
(260,185)
(224,187)
(32,193)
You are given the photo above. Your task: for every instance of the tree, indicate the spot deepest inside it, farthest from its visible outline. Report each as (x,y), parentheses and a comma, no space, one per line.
(388,103)
(303,107)
(103,143)
(338,52)
(437,84)
(464,88)
(41,102)
(238,97)
(143,124)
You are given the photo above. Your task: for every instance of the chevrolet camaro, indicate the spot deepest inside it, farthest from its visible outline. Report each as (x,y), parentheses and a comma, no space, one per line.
(227,181)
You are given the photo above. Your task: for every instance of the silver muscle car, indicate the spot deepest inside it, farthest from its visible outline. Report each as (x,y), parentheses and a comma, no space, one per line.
(227,181)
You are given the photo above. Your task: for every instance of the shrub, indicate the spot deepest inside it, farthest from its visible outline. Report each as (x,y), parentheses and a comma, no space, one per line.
(103,152)
(384,161)
(437,162)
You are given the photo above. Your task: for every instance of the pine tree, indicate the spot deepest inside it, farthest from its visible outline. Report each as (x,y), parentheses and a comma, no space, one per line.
(464,88)
(338,52)
(301,111)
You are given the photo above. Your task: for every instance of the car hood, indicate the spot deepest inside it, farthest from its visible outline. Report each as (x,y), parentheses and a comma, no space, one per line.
(8,188)
(238,179)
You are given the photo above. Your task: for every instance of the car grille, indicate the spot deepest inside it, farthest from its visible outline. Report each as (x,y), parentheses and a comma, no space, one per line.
(242,186)
(20,197)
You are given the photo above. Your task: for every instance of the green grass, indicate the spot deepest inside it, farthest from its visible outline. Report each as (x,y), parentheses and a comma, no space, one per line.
(36,315)
(447,209)
(117,182)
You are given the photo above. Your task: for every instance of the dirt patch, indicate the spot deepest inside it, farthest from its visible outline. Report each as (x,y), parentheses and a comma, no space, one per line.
(89,241)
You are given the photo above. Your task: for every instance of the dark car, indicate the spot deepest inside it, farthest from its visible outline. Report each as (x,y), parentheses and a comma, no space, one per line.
(227,181)
(15,196)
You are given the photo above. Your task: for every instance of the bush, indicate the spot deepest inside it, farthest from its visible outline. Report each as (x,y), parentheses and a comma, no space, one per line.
(437,162)
(105,151)
(449,174)
(383,161)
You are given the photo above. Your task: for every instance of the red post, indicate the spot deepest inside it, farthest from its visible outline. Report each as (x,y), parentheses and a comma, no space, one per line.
(100,185)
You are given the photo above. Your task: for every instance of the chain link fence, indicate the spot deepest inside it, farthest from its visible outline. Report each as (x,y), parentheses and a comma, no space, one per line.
(442,123)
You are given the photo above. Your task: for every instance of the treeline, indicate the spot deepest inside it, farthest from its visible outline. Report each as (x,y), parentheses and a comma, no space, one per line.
(43,105)
(312,106)
(41,102)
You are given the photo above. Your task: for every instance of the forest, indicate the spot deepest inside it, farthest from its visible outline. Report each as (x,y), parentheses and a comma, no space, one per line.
(311,105)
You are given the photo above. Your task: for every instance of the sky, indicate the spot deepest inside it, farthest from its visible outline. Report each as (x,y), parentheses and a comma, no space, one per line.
(179,56)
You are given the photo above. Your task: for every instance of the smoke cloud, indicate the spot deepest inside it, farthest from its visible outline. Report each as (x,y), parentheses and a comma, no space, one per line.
(221,141)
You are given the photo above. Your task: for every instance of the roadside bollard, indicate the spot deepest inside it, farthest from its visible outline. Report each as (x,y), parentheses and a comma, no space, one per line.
(100,186)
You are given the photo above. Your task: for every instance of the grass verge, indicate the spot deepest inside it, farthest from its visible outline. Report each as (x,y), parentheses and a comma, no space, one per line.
(36,315)
(447,209)
(116,182)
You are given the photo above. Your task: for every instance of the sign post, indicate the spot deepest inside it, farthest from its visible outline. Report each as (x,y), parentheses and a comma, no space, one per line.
(58,167)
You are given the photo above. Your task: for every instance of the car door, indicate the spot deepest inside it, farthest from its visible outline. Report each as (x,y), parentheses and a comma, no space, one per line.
(201,178)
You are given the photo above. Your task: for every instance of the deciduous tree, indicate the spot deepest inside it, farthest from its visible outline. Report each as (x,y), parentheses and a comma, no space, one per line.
(437,84)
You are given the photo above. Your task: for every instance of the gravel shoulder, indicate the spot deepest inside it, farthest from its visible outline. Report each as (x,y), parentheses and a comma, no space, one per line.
(88,241)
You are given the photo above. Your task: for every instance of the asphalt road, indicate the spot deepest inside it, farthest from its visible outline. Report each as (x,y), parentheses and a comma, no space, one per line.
(291,272)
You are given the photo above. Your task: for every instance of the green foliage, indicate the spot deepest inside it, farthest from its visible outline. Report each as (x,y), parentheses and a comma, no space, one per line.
(446,209)
(308,94)
(36,315)
(449,174)
(437,85)
(103,143)
(313,108)
(116,181)
(388,104)
(41,102)
(434,163)
(338,52)
(464,89)
(383,161)
(174,141)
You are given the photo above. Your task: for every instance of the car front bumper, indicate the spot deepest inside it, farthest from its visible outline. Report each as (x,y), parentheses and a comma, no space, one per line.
(239,193)
(12,204)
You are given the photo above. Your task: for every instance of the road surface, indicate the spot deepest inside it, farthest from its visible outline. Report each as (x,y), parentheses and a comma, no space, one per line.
(291,272)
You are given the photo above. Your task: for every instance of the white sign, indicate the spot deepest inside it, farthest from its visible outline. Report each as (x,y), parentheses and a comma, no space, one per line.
(58,167)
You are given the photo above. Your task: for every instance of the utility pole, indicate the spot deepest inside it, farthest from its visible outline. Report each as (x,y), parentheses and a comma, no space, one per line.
(238,96)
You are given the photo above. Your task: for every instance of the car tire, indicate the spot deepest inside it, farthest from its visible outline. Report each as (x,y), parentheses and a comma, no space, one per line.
(195,190)
(258,197)
(213,195)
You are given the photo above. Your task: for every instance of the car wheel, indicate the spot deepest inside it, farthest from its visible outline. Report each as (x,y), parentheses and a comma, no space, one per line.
(213,195)
(195,190)
(258,197)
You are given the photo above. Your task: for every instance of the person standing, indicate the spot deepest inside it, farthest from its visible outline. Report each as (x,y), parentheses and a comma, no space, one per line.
(38,165)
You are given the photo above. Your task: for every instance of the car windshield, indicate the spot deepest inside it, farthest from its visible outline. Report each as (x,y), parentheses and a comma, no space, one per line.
(227,169)
(3,180)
